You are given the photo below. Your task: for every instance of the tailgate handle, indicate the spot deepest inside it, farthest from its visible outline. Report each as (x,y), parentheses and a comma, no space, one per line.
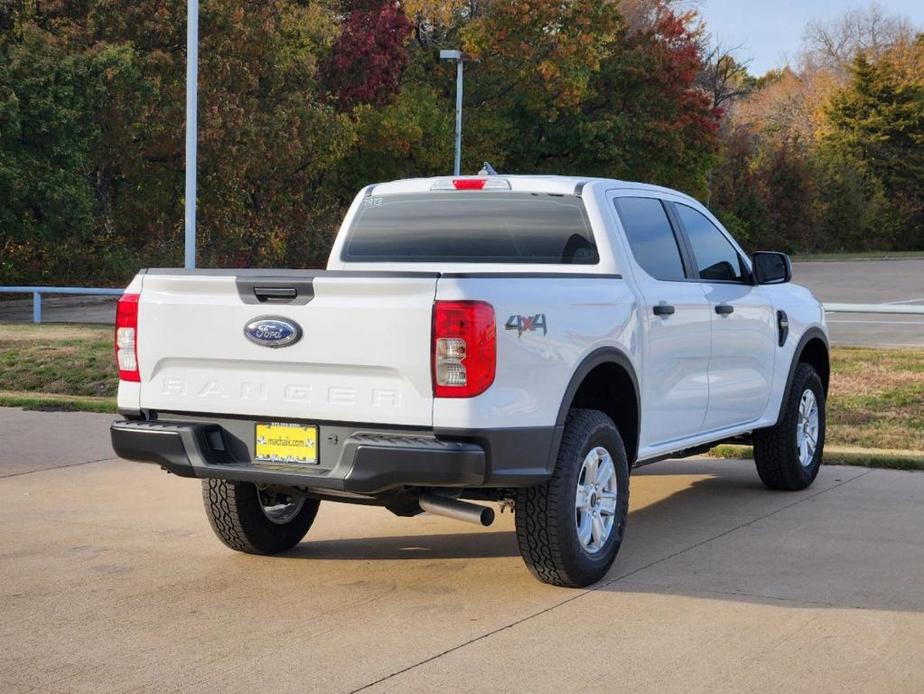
(275,295)
(288,288)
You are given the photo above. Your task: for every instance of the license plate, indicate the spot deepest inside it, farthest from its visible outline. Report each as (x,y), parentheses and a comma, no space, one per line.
(278,442)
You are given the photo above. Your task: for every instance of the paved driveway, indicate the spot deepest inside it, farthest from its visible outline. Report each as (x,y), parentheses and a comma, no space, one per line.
(112,581)
(62,309)
(868,282)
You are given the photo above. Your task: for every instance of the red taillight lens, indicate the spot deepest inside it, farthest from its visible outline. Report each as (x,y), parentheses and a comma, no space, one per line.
(464,348)
(468,183)
(126,337)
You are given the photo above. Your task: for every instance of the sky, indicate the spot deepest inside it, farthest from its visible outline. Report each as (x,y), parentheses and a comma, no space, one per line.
(770,31)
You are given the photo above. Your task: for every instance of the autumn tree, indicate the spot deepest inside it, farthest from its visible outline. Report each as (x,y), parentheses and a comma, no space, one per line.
(827,155)
(369,55)
(570,89)
(303,103)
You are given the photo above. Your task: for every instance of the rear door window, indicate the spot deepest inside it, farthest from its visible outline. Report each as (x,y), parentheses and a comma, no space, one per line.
(472,227)
(651,237)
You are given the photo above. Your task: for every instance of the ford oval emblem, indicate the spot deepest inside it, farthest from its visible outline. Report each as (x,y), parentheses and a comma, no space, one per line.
(273,332)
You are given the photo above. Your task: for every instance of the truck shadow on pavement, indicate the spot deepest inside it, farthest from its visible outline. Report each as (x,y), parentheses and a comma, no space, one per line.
(718,535)
(725,537)
(471,545)
(698,498)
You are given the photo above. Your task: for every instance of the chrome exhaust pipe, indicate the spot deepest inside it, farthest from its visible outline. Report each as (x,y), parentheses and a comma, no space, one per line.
(454,508)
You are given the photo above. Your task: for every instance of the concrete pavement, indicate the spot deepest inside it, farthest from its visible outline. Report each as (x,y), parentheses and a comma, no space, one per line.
(31,441)
(868,282)
(63,309)
(112,581)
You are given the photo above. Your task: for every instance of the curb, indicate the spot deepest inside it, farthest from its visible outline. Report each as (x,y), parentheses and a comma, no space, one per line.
(882,458)
(57,403)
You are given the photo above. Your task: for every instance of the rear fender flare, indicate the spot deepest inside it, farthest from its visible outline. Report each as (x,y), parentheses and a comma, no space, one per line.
(603,355)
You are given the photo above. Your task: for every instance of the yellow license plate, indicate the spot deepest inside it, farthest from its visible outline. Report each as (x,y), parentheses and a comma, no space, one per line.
(278,442)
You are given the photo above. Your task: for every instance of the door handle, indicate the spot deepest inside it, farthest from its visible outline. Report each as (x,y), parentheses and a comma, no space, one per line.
(724,309)
(663,310)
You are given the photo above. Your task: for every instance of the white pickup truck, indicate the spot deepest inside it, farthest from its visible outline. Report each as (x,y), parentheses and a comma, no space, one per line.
(517,339)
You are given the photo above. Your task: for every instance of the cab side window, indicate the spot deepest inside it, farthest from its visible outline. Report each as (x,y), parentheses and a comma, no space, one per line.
(651,237)
(716,258)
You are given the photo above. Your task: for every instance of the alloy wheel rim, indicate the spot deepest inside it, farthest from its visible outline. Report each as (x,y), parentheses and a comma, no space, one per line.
(807,428)
(279,508)
(595,500)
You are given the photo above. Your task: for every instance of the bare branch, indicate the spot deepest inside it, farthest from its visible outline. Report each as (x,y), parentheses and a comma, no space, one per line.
(724,78)
(834,44)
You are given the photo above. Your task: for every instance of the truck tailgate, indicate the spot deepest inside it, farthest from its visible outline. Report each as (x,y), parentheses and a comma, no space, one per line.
(364,353)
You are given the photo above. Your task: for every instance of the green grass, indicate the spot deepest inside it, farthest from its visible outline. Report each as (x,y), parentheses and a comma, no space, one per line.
(57,366)
(877,399)
(875,410)
(879,255)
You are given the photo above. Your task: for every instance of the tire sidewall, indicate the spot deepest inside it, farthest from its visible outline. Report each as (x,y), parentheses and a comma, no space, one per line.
(236,515)
(605,435)
(268,536)
(806,379)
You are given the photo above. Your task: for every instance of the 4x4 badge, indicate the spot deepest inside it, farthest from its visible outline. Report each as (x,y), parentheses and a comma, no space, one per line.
(527,324)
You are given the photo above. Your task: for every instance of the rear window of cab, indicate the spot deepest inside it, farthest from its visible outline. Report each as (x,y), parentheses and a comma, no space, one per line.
(472,227)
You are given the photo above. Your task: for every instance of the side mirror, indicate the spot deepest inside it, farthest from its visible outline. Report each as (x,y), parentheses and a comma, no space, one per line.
(771,267)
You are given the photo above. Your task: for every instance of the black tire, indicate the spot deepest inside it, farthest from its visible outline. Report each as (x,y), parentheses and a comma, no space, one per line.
(236,515)
(546,518)
(776,451)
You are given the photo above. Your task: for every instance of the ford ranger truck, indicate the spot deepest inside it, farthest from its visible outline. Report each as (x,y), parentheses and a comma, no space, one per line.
(525,340)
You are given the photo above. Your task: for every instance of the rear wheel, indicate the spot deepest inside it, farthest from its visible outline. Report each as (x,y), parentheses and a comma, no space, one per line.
(569,530)
(256,521)
(788,456)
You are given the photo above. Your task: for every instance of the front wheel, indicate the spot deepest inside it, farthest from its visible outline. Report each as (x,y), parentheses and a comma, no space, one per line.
(569,529)
(788,455)
(257,521)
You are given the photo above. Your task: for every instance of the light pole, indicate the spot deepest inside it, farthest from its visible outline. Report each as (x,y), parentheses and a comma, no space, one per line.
(457,56)
(192,101)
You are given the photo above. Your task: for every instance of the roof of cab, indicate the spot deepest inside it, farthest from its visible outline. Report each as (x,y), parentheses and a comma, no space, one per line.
(556,185)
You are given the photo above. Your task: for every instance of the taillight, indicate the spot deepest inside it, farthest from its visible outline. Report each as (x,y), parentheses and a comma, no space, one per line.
(126,337)
(468,183)
(464,348)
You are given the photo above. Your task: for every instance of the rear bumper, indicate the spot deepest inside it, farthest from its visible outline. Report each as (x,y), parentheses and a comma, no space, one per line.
(360,461)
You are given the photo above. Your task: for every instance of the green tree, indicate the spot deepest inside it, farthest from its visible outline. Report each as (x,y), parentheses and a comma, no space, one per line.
(410,137)
(878,121)
(52,129)
(92,129)
(854,213)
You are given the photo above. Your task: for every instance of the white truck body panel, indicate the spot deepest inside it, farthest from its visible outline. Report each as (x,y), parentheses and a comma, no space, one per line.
(743,352)
(534,368)
(703,372)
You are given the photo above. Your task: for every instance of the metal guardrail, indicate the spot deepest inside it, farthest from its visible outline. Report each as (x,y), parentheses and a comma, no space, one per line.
(37,292)
(901,309)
